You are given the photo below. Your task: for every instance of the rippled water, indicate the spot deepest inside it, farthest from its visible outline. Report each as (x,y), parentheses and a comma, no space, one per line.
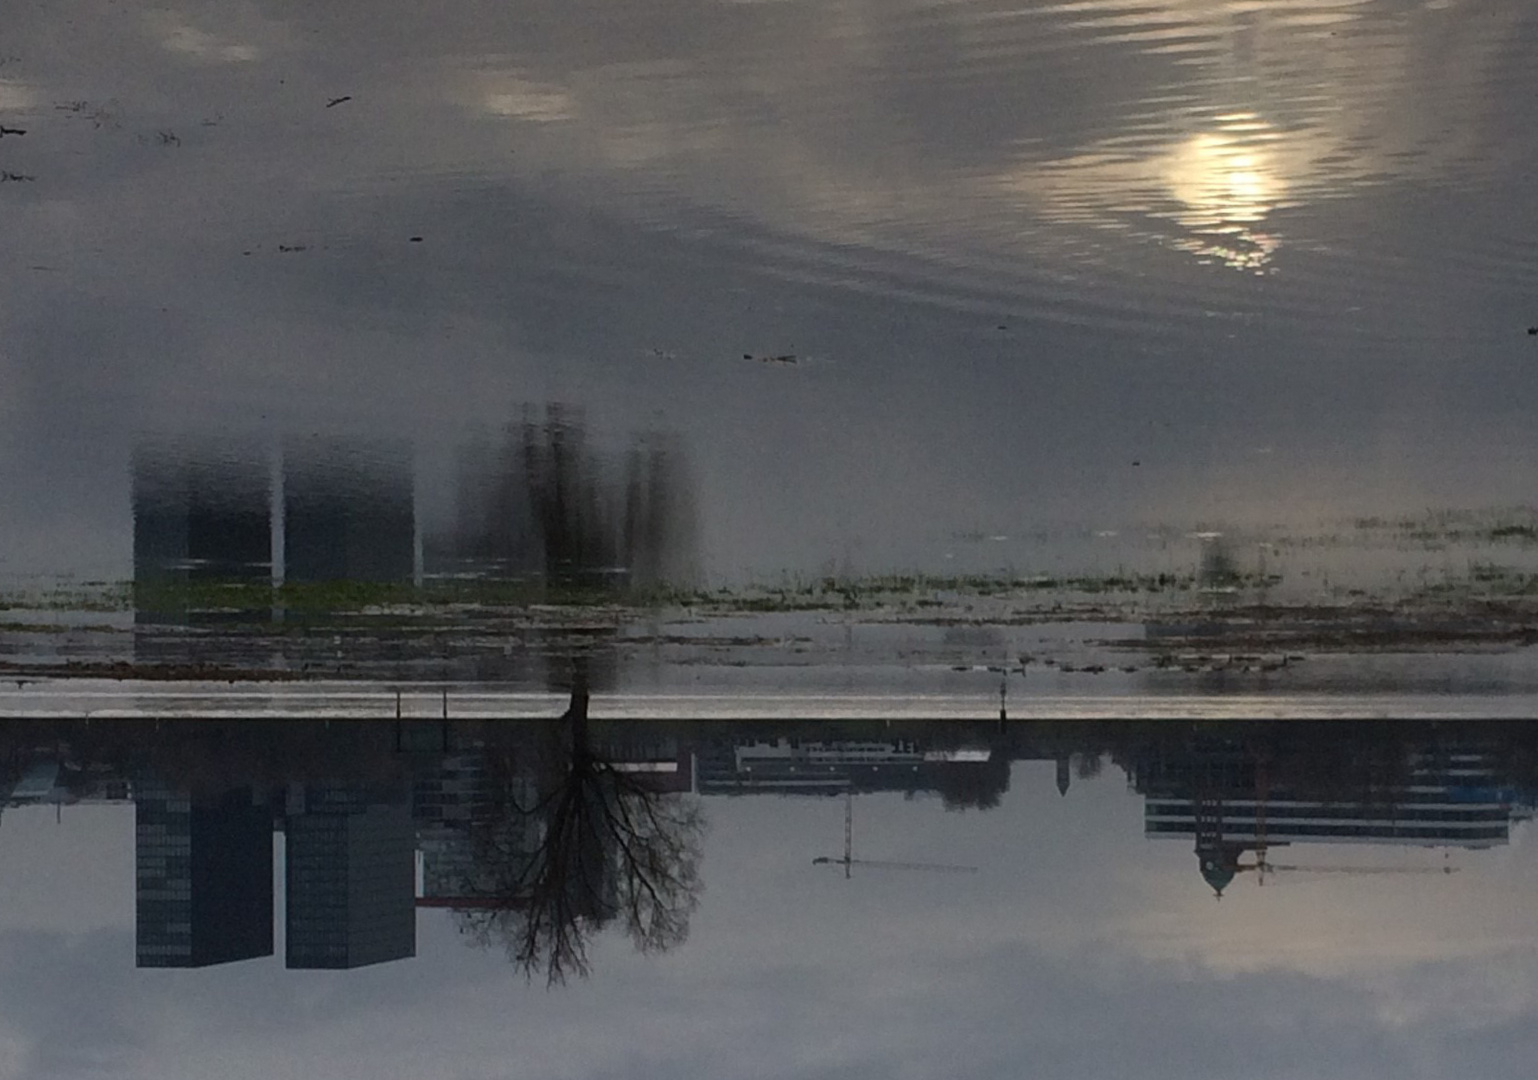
(1083,264)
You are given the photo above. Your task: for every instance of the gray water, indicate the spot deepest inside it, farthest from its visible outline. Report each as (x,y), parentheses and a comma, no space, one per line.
(1086,267)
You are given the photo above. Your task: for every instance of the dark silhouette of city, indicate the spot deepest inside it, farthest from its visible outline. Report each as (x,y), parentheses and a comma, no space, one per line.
(537,835)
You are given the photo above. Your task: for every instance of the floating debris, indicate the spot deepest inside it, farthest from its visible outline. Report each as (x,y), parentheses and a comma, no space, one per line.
(334,102)
(98,115)
(16,178)
(784,358)
(290,248)
(416,239)
(4,131)
(1532,331)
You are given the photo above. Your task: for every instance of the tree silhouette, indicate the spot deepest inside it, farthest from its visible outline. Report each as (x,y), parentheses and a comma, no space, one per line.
(576,844)
(973,785)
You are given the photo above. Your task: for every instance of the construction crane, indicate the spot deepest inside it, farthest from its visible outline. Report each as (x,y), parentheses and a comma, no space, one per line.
(849,862)
(1262,868)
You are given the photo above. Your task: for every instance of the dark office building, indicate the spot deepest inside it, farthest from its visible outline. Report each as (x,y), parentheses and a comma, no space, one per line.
(203,879)
(351,882)
(349,511)
(461,815)
(805,767)
(202,511)
(1217,792)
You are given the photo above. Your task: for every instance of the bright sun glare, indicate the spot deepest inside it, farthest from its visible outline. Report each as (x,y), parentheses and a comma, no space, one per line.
(1227,182)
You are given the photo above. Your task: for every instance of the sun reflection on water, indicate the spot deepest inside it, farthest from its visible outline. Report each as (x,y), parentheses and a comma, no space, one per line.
(1227,182)
(1209,192)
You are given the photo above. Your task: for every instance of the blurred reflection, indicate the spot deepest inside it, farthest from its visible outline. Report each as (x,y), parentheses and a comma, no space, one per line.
(543,505)
(202,511)
(349,511)
(241,542)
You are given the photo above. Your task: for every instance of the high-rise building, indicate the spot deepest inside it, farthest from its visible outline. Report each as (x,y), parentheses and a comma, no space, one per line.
(203,878)
(349,511)
(1219,793)
(478,835)
(452,804)
(350,883)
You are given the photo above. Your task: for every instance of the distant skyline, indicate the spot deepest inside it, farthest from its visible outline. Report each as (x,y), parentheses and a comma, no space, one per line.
(1074,914)
(1233,294)
(466,816)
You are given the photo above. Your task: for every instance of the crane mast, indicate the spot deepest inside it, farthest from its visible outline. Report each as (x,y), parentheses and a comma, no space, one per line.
(849,862)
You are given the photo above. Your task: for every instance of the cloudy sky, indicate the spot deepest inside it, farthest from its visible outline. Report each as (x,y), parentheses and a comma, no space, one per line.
(1277,253)
(1079,949)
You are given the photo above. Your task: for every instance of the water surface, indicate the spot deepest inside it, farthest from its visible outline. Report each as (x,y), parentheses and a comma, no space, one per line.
(1086,266)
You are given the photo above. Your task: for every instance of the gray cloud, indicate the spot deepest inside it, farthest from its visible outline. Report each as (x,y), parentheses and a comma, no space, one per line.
(1078,949)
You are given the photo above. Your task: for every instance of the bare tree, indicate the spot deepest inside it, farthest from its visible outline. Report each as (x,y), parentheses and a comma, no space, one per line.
(578,844)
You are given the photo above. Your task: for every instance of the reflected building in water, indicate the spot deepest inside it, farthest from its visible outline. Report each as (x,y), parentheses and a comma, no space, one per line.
(203,878)
(218,523)
(202,515)
(349,511)
(221,526)
(202,511)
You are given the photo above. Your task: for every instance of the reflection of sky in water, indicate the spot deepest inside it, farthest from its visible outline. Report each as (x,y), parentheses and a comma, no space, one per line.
(1223,183)
(1017,247)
